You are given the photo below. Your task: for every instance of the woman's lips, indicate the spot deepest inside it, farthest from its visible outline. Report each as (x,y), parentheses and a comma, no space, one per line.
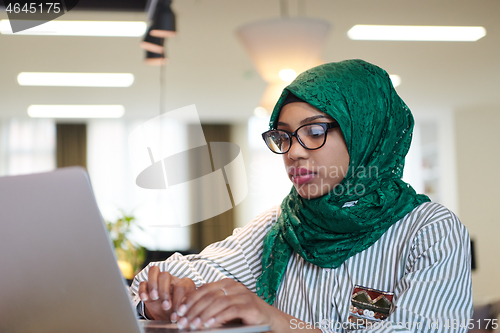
(301,176)
(302,179)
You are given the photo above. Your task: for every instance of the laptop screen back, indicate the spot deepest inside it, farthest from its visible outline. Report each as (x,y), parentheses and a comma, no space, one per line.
(58,272)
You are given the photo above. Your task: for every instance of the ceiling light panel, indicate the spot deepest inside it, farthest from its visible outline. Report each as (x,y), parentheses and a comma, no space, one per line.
(76,111)
(81,28)
(76,79)
(416,33)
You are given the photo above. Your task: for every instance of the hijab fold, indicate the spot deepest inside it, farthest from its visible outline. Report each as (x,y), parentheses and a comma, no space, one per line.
(377,127)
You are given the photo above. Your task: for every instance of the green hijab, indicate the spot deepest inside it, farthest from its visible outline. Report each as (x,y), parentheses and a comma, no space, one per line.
(377,127)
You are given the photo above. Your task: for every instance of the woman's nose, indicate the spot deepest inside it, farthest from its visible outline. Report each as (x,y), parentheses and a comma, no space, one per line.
(296,150)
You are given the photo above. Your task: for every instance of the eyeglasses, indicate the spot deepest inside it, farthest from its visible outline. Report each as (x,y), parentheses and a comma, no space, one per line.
(310,136)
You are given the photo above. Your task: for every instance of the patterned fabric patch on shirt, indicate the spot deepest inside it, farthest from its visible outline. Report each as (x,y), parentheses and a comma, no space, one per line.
(369,307)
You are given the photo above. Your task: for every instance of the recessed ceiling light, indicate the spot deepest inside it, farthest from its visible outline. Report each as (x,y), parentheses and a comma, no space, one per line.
(76,111)
(76,79)
(396,80)
(81,28)
(416,33)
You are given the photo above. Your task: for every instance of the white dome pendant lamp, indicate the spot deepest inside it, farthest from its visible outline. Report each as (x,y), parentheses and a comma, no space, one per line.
(282,48)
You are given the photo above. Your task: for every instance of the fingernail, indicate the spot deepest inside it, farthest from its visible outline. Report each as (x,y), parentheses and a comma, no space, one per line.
(209,322)
(165,305)
(182,323)
(182,310)
(195,323)
(144,297)
(173,317)
(154,295)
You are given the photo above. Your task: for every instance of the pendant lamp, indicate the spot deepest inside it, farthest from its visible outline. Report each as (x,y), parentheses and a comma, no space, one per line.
(153,44)
(163,25)
(155,59)
(284,45)
(271,95)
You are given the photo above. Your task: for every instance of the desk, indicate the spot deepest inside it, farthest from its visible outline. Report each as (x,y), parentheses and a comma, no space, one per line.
(156,326)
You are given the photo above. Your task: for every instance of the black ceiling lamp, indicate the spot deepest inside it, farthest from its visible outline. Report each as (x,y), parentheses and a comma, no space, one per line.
(153,44)
(163,25)
(155,59)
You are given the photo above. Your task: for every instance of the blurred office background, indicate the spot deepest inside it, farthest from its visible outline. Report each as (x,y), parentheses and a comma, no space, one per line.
(451,88)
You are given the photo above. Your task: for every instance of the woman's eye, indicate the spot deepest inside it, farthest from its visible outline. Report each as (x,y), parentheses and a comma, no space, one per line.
(315,131)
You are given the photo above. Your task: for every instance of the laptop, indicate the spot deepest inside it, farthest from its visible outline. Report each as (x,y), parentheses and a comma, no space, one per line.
(58,271)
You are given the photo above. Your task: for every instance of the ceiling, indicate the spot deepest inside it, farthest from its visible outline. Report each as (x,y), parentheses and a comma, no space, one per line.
(209,67)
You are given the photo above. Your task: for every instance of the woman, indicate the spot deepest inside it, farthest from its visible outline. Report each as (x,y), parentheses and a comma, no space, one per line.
(352,247)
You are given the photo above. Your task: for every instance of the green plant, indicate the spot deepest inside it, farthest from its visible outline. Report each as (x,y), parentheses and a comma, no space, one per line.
(125,249)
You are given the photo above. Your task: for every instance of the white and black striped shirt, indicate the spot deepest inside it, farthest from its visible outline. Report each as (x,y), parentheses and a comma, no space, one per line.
(422,264)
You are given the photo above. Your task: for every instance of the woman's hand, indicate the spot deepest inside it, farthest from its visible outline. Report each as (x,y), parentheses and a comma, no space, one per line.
(163,293)
(219,302)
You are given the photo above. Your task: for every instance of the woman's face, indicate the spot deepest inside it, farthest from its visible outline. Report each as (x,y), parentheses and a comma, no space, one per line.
(314,173)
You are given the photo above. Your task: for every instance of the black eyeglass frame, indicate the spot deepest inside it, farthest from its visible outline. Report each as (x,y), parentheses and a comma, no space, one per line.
(326,127)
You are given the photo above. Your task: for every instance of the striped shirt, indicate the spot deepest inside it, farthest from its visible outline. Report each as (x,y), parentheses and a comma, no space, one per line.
(421,265)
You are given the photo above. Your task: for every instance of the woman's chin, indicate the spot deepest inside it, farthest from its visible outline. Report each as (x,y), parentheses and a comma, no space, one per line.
(307,194)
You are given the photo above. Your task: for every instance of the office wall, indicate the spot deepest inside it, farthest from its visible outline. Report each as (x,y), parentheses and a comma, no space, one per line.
(267,180)
(478,160)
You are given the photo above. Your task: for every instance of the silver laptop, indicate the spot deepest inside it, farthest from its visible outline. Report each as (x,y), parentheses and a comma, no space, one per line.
(58,272)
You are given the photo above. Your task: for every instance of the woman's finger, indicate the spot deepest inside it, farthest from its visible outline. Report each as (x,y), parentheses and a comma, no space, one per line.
(211,299)
(143,291)
(201,293)
(221,305)
(179,291)
(164,284)
(235,311)
(205,308)
(153,282)
(223,286)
